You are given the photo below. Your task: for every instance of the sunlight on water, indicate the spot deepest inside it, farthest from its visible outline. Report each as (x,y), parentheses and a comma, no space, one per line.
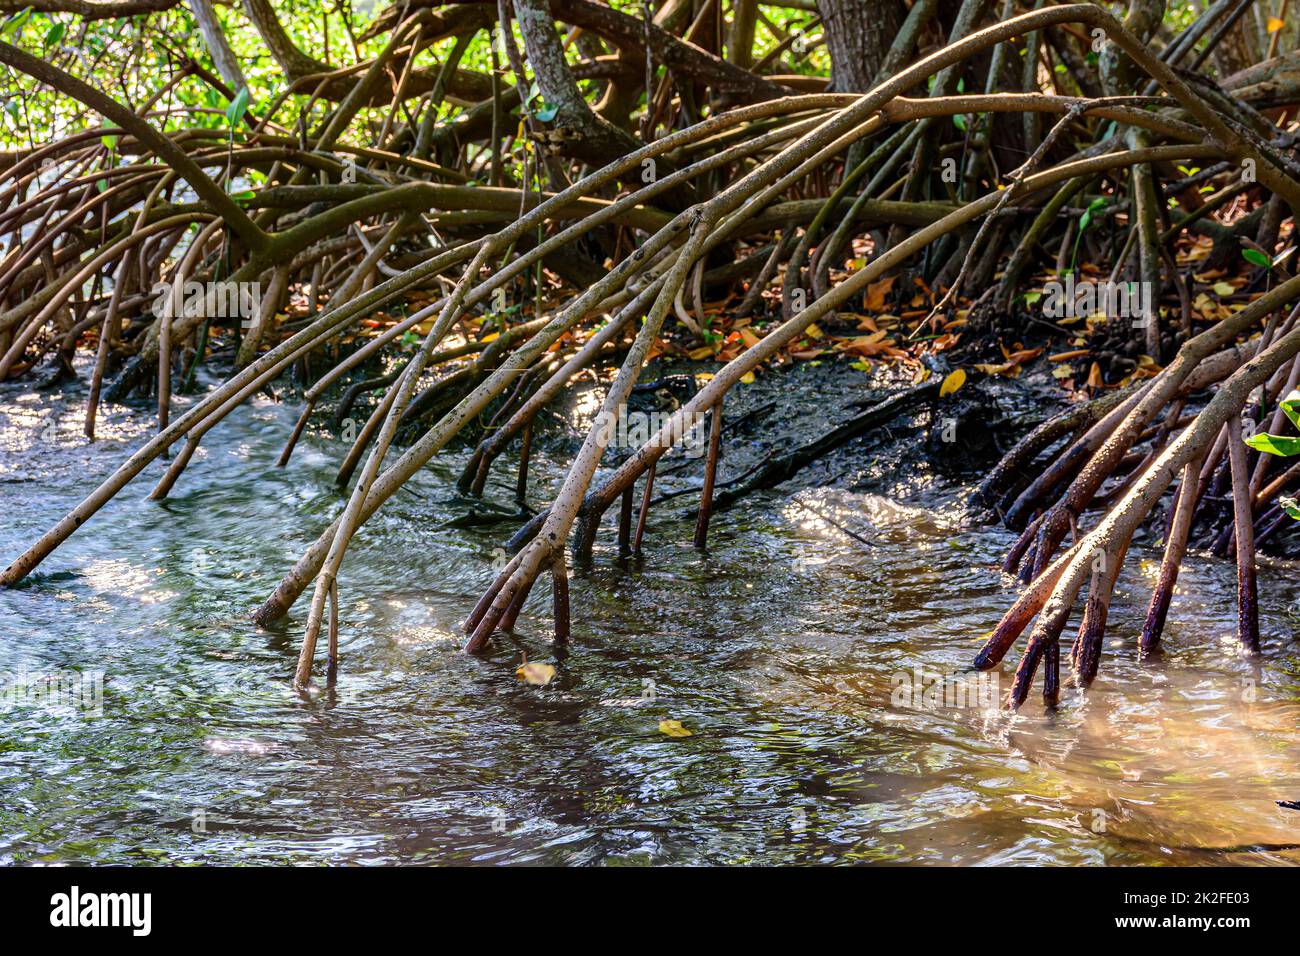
(819,656)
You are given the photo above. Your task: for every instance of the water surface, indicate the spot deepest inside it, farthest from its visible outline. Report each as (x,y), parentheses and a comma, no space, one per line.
(782,650)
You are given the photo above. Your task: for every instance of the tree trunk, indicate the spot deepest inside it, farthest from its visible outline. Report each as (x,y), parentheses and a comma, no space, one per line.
(740,34)
(214,38)
(582,133)
(858,35)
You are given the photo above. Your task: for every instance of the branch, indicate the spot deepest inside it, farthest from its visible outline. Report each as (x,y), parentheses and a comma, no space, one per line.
(629,34)
(89,9)
(160,145)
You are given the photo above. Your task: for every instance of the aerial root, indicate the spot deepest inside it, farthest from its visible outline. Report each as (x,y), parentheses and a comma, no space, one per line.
(645,508)
(1189,492)
(1096,557)
(710,476)
(1243,522)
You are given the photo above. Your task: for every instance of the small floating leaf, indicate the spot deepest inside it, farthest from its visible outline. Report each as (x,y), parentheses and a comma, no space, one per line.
(673,728)
(539,675)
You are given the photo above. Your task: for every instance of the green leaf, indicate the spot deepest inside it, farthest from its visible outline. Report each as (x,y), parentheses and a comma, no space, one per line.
(54,35)
(1255,257)
(1086,219)
(238,106)
(14,23)
(1291,407)
(1282,445)
(546,113)
(1290,507)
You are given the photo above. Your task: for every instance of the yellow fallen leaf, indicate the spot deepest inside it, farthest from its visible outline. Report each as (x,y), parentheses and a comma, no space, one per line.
(1274,24)
(490,337)
(703,352)
(955,380)
(747,378)
(813,332)
(1006,369)
(1223,288)
(673,728)
(539,675)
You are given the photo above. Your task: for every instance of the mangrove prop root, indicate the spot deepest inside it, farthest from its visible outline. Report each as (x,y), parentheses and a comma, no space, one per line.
(644,513)
(710,476)
(1175,548)
(1243,522)
(355,208)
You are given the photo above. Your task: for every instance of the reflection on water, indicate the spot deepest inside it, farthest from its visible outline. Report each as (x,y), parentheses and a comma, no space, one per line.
(782,651)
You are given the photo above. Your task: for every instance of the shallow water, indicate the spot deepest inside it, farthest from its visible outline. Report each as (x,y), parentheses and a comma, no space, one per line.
(785,651)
